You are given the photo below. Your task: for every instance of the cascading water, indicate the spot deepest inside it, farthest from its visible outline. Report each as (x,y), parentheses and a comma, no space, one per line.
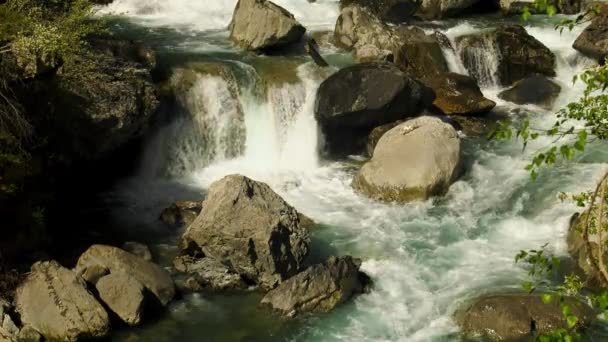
(426,258)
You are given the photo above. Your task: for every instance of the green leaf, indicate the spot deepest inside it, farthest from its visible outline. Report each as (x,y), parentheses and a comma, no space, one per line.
(551,10)
(572,321)
(547,298)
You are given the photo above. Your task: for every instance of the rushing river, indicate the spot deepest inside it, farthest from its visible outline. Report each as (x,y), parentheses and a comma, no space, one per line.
(426,259)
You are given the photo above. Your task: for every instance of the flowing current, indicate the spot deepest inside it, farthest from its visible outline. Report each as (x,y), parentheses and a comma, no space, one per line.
(254,116)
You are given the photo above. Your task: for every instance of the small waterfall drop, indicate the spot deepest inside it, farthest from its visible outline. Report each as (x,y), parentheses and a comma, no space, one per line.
(481,57)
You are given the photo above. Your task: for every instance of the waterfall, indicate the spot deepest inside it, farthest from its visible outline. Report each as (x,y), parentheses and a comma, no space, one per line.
(481,57)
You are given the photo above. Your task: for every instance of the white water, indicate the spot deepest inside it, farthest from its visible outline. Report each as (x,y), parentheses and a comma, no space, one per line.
(427,258)
(201,15)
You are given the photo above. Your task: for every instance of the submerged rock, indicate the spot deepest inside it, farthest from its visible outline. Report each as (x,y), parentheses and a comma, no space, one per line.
(261,24)
(538,90)
(518,55)
(124,295)
(593,42)
(150,275)
(415,160)
(181,213)
(248,226)
(459,95)
(512,317)
(320,288)
(208,273)
(55,301)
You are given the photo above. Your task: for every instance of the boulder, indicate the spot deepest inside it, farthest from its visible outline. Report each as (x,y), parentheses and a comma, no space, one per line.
(248,226)
(415,160)
(593,42)
(261,25)
(93,273)
(153,277)
(208,273)
(29,334)
(312,49)
(538,90)
(506,55)
(571,6)
(353,101)
(55,301)
(124,295)
(459,95)
(369,94)
(512,317)
(509,7)
(436,9)
(138,249)
(421,55)
(585,255)
(320,288)
(377,133)
(395,11)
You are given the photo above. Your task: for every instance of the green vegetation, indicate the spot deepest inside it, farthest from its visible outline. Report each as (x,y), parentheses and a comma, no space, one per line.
(578,124)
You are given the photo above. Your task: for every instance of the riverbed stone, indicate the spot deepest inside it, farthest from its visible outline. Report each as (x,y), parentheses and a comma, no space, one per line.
(124,295)
(459,95)
(138,249)
(55,301)
(593,41)
(519,55)
(415,160)
(261,24)
(511,317)
(320,288)
(437,9)
(248,226)
(153,277)
(395,11)
(538,90)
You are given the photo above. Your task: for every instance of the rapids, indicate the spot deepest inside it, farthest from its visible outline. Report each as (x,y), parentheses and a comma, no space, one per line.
(425,258)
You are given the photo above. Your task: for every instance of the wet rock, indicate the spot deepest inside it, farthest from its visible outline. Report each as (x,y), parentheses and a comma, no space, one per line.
(368,95)
(377,133)
(55,301)
(124,295)
(9,326)
(320,288)
(181,213)
(593,42)
(415,160)
(459,95)
(516,6)
(421,56)
(260,25)
(480,125)
(138,249)
(538,90)
(388,10)
(150,275)
(570,6)
(353,101)
(208,273)
(518,54)
(436,9)
(312,49)
(512,317)
(443,40)
(248,226)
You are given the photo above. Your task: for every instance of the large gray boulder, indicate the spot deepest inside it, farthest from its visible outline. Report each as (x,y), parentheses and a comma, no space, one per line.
(153,277)
(208,273)
(593,42)
(516,53)
(538,90)
(251,228)
(368,95)
(261,25)
(353,101)
(415,160)
(55,301)
(387,10)
(124,295)
(320,288)
(512,317)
